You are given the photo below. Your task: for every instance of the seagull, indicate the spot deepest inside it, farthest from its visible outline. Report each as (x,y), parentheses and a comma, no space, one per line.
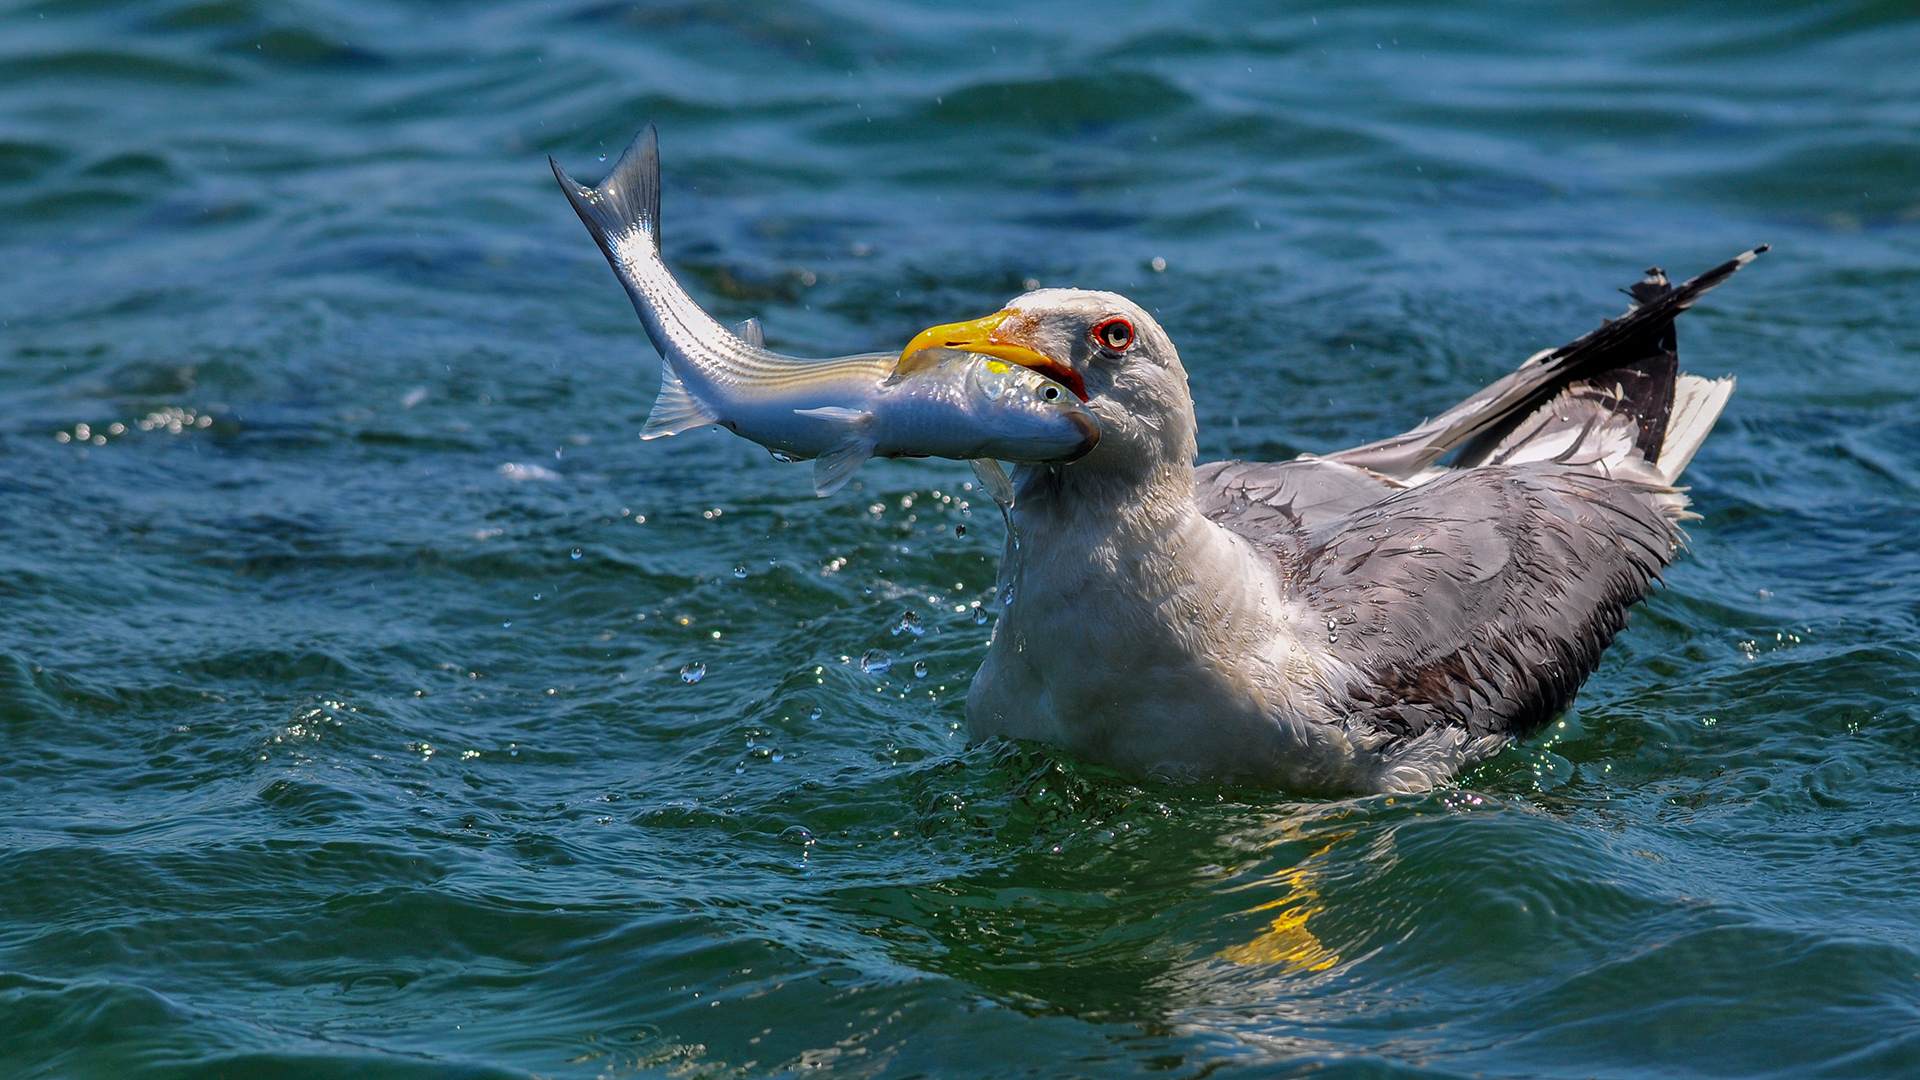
(1368,621)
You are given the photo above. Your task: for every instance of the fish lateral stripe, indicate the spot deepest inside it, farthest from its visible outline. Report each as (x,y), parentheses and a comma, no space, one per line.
(837,411)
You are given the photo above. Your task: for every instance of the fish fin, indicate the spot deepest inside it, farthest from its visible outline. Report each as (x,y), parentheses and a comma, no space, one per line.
(995,480)
(833,469)
(836,413)
(627,201)
(750,332)
(675,410)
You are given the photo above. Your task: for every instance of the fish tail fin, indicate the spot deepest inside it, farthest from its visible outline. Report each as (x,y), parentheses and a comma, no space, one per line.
(626,206)
(627,201)
(675,410)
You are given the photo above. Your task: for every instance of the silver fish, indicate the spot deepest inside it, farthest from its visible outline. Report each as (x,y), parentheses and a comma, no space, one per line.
(938,402)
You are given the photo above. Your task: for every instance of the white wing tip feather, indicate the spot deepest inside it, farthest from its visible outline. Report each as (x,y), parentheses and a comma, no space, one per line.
(1696,406)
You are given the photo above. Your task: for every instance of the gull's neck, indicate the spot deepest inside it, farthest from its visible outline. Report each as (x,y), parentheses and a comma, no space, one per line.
(1134,630)
(1127,552)
(1122,521)
(1130,507)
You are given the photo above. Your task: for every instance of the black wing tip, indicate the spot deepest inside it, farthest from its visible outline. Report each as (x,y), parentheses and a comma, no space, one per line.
(1685,293)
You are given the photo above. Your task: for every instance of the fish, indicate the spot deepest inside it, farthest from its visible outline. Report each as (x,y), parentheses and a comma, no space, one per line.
(937,402)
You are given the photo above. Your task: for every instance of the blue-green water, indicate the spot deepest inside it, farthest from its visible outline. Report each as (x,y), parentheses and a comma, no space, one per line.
(342,730)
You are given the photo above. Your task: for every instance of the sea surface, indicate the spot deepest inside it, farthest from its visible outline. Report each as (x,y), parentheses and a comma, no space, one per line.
(373,703)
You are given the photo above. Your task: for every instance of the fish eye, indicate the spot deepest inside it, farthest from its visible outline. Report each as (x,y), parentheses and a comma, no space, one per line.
(1114,334)
(1051,393)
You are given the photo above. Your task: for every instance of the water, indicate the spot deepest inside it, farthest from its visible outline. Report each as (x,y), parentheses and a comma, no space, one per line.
(326,756)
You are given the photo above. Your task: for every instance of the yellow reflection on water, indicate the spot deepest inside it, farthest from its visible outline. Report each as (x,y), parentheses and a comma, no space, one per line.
(1287,943)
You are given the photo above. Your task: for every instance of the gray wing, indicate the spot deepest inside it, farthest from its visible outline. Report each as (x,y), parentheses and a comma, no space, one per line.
(1260,498)
(1481,600)
(1626,366)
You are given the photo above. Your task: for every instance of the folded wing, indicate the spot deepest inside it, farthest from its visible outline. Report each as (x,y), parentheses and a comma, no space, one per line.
(1480,601)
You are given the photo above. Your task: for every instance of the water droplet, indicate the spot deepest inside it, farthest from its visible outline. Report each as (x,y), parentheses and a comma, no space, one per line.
(693,672)
(908,623)
(576,553)
(816,714)
(1006,595)
(960,529)
(779,756)
(875,662)
(979,615)
(919,669)
(603,157)
(739,571)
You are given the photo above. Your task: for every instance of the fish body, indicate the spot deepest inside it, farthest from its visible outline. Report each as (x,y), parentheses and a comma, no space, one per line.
(839,412)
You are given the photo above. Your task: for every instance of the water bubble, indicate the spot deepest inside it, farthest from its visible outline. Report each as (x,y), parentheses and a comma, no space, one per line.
(693,672)
(797,834)
(919,669)
(739,571)
(875,662)
(908,623)
(576,553)
(960,529)
(816,714)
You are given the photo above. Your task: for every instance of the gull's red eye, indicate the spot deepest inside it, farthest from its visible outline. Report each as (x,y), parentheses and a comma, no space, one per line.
(1114,334)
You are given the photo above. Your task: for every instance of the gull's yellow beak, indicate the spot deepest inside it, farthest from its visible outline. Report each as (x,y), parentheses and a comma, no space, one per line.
(984,336)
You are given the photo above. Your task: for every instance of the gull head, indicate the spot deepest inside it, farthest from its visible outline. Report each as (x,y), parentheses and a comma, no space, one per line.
(1107,351)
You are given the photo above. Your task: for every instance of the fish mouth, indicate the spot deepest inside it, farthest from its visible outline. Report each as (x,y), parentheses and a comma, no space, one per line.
(1089,436)
(985,337)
